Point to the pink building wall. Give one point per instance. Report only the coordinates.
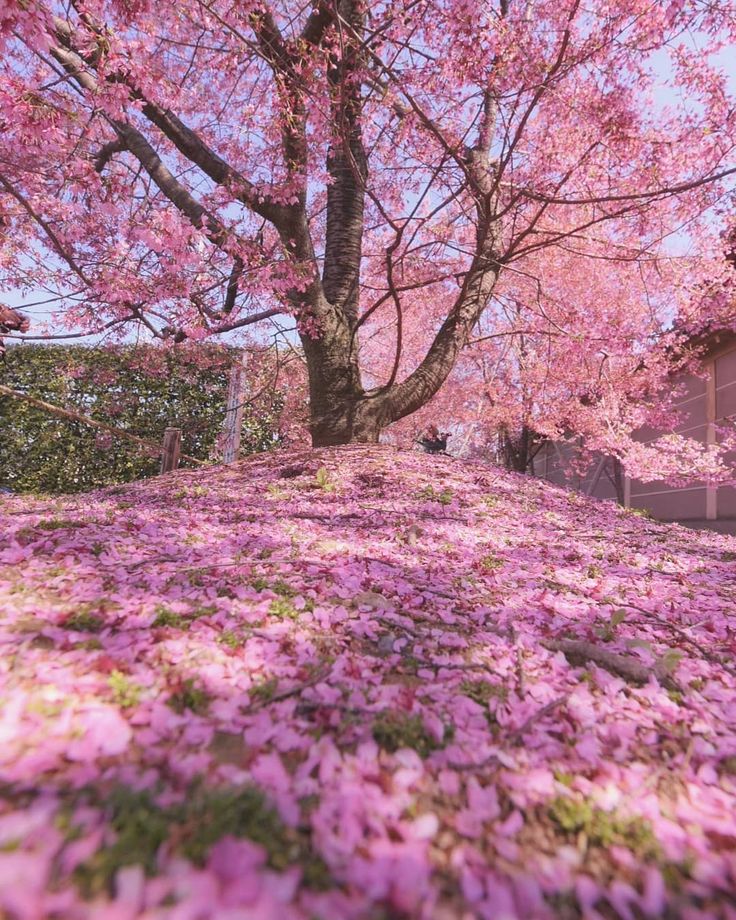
(707, 402)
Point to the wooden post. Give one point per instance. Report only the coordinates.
(234, 412)
(171, 450)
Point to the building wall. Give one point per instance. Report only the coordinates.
(689, 503)
(707, 402)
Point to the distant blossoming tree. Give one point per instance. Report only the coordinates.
(398, 177)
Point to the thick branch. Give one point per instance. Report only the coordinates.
(187, 141)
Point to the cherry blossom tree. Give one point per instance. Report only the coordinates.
(385, 174)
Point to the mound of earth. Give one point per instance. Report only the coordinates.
(358, 683)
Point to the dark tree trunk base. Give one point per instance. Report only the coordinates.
(358, 423)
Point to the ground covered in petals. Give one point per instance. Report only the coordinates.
(356, 683)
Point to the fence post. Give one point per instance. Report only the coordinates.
(171, 450)
(234, 412)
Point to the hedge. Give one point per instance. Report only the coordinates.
(141, 389)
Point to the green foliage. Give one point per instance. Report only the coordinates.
(608, 633)
(567, 779)
(140, 389)
(231, 639)
(668, 662)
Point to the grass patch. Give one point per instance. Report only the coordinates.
(84, 621)
(191, 829)
(490, 563)
(429, 494)
(603, 828)
(231, 639)
(323, 480)
(190, 696)
(283, 609)
(124, 691)
(482, 692)
(264, 692)
(166, 617)
(394, 731)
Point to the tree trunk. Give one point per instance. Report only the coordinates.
(346, 422)
(339, 408)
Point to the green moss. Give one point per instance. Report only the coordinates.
(125, 692)
(393, 731)
(31, 531)
(167, 617)
(265, 691)
(84, 621)
(428, 494)
(190, 696)
(490, 563)
(278, 586)
(482, 692)
(284, 610)
(728, 556)
(201, 610)
(566, 779)
(316, 874)
(89, 645)
(239, 813)
(604, 828)
(231, 639)
(140, 827)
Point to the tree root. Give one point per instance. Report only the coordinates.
(579, 653)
